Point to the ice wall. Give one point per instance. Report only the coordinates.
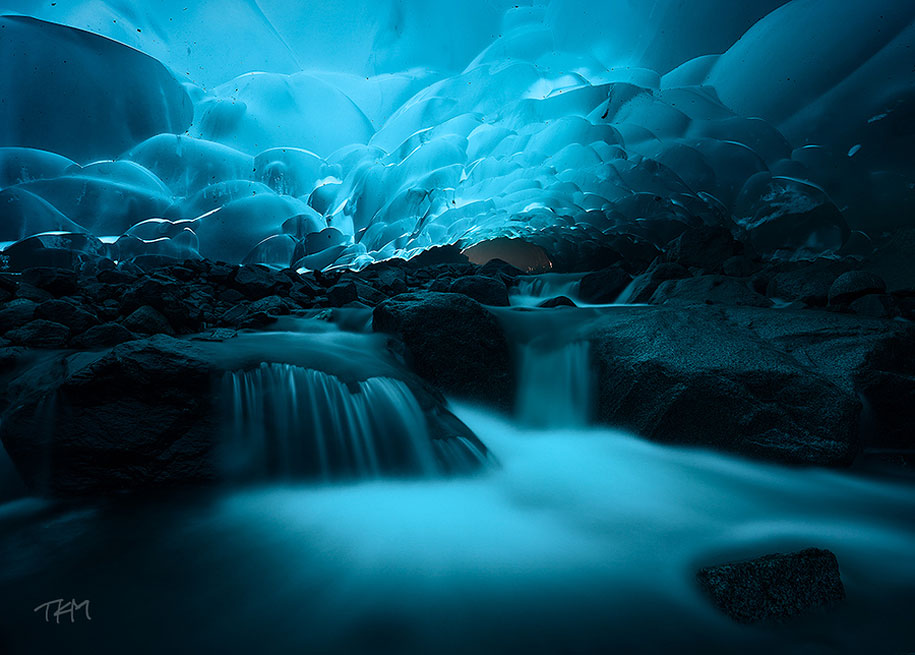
(338, 133)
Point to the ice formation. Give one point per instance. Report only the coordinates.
(329, 134)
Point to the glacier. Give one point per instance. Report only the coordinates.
(333, 135)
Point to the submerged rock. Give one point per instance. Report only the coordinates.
(453, 342)
(774, 586)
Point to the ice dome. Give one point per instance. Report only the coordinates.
(246, 130)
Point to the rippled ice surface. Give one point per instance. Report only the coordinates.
(582, 540)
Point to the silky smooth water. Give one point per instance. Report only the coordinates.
(582, 540)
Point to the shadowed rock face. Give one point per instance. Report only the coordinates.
(453, 342)
(137, 416)
(774, 586)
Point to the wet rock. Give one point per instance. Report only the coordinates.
(40, 334)
(603, 287)
(775, 587)
(738, 266)
(807, 283)
(874, 305)
(273, 305)
(485, 290)
(694, 375)
(135, 417)
(453, 342)
(643, 286)
(16, 314)
(705, 247)
(710, 290)
(66, 313)
(27, 291)
(146, 320)
(852, 285)
(102, 336)
(56, 281)
(558, 301)
(342, 294)
(254, 281)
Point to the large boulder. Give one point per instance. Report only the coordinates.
(603, 287)
(134, 417)
(774, 587)
(485, 290)
(706, 247)
(853, 285)
(453, 342)
(693, 376)
(710, 290)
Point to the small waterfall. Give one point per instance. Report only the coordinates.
(289, 421)
(555, 386)
(534, 289)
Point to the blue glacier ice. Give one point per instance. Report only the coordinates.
(405, 124)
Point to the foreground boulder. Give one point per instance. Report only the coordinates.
(453, 342)
(137, 416)
(774, 586)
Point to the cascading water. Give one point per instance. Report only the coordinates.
(292, 422)
(534, 289)
(555, 385)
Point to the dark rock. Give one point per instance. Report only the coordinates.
(27, 291)
(273, 305)
(603, 287)
(692, 375)
(774, 586)
(56, 281)
(16, 314)
(710, 290)
(873, 359)
(254, 281)
(558, 301)
(501, 269)
(850, 286)
(102, 336)
(643, 286)
(342, 294)
(66, 313)
(807, 283)
(874, 305)
(40, 334)
(146, 320)
(115, 276)
(705, 247)
(485, 290)
(739, 266)
(232, 296)
(135, 417)
(234, 316)
(453, 342)
(893, 261)
(256, 320)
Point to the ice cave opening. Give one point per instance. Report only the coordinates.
(406, 326)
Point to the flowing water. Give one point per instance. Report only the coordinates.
(582, 539)
(290, 421)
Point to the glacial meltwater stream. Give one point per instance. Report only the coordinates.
(573, 539)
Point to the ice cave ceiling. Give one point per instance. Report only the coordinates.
(336, 133)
